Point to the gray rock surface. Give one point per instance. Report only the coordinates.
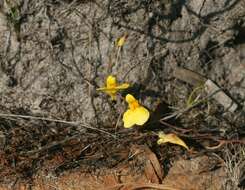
(64, 50)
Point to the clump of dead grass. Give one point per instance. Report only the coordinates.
(234, 161)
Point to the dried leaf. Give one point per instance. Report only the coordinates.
(154, 162)
(171, 138)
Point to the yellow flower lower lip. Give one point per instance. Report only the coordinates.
(136, 114)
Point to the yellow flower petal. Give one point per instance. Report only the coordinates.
(111, 81)
(171, 138)
(106, 89)
(130, 98)
(128, 119)
(122, 86)
(141, 115)
(103, 89)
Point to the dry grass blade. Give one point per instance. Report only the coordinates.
(180, 112)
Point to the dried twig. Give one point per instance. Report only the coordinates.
(74, 123)
(135, 186)
(49, 146)
(223, 142)
(175, 127)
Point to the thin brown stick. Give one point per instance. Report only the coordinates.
(223, 142)
(74, 123)
(49, 146)
(39, 118)
(135, 186)
(175, 127)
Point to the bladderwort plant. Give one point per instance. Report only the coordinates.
(136, 114)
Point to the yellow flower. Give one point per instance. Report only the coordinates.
(171, 138)
(121, 41)
(136, 114)
(112, 87)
